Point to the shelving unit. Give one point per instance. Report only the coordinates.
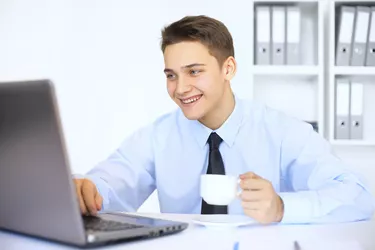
(288, 70)
(352, 143)
(297, 90)
(363, 74)
(352, 71)
(307, 90)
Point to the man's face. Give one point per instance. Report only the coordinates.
(195, 81)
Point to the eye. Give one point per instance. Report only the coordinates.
(171, 76)
(194, 72)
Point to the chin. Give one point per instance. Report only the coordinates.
(192, 116)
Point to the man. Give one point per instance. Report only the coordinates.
(287, 171)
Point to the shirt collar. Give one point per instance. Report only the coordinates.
(228, 131)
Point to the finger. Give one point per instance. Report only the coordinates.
(98, 201)
(250, 195)
(252, 205)
(88, 193)
(253, 184)
(82, 206)
(257, 215)
(249, 175)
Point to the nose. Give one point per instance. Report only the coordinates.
(183, 87)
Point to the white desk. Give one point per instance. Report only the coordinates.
(197, 237)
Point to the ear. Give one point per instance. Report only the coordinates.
(229, 68)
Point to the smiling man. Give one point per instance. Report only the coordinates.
(288, 172)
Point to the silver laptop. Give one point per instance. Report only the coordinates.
(37, 193)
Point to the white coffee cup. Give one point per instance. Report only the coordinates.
(219, 189)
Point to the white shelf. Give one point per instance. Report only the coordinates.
(354, 2)
(352, 143)
(287, 70)
(285, 1)
(353, 70)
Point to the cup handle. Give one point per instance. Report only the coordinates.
(239, 190)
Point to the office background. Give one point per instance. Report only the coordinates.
(105, 60)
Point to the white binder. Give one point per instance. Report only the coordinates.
(356, 111)
(360, 36)
(263, 35)
(293, 31)
(344, 43)
(370, 57)
(342, 109)
(278, 35)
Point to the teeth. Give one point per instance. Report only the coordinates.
(190, 100)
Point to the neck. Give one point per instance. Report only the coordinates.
(220, 113)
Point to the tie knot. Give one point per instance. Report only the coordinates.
(214, 141)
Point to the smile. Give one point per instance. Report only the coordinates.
(191, 99)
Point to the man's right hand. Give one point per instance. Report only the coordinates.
(90, 201)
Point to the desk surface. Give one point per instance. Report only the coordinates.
(198, 237)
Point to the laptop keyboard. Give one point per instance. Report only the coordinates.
(98, 224)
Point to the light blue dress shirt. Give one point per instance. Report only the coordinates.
(170, 155)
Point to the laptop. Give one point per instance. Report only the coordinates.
(37, 193)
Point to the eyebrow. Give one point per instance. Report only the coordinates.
(185, 67)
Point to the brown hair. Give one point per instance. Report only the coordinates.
(206, 30)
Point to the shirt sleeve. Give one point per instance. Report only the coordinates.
(127, 177)
(320, 187)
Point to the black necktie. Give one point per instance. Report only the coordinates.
(215, 166)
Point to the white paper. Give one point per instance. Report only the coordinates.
(304, 245)
(226, 240)
(278, 24)
(372, 26)
(346, 28)
(357, 99)
(342, 98)
(294, 24)
(362, 27)
(263, 24)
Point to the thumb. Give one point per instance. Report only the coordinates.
(98, 200)
(249, 175)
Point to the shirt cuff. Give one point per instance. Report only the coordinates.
(298, 207)
(78, 176)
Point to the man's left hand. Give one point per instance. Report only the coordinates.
(259, 199)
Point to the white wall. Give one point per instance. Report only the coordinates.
(105, 60)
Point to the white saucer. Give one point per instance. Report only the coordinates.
(223, 220)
